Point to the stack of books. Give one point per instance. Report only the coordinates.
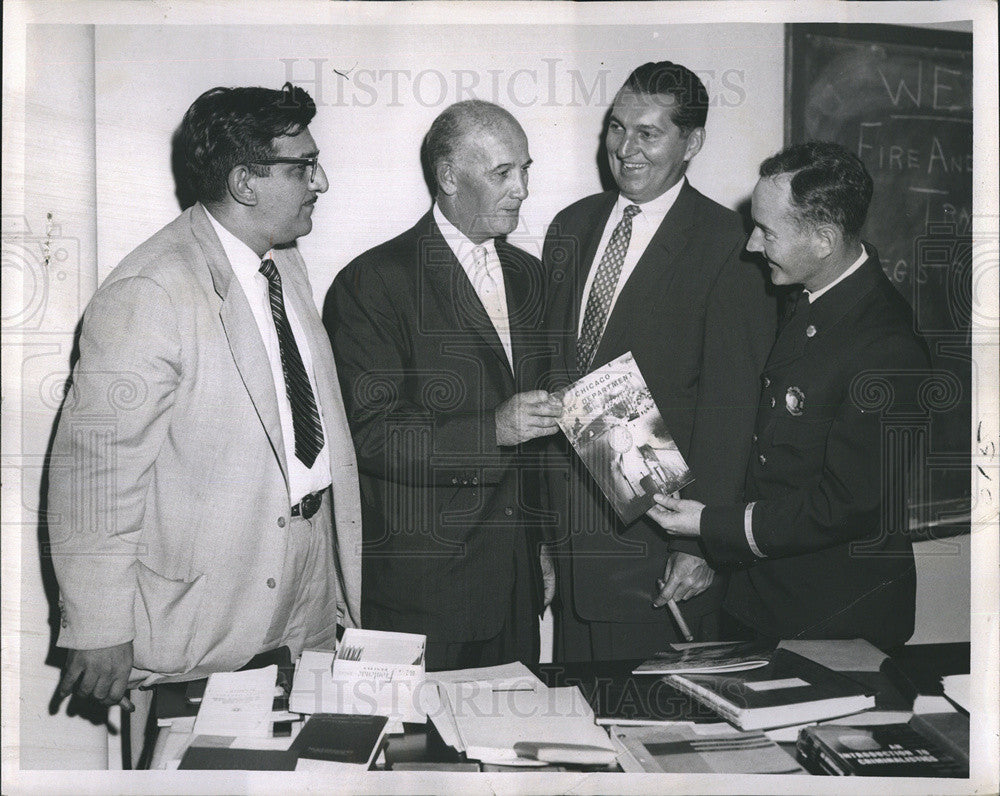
(889, 750)
(790, 689)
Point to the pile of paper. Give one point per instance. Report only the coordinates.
(506, 715)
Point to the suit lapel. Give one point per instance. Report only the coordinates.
(243, 335)
(651, 276)
(592, 227)
(524, 291)
(446, 279)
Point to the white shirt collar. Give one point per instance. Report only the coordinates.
(654, 210)
(241, 257)
(857, 264)
(460, 244)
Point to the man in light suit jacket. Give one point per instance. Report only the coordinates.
(653, 268)
(816, 542)
(203, 444)
(438, 338)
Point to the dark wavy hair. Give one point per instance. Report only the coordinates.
(690, 108)
(226, 127)
(829, 185)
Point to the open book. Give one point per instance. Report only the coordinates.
(612, 422)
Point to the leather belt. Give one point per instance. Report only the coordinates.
(309, 505)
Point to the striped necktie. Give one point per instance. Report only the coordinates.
(305, 416)
(603, 289)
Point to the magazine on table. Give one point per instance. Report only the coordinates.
(613, 423)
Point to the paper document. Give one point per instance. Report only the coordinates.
(437, 707)
(238, 703)
(495, 721)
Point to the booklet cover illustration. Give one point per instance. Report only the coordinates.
(610, 418)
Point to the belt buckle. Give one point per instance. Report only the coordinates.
(310, 504)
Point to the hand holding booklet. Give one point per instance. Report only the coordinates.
(613, 423)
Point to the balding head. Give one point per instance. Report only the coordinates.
(478, 156)
(458, 122)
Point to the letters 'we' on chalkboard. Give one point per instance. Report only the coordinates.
(901, 99)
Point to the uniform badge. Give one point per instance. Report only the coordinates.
(795, 401)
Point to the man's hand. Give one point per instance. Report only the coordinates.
(102, 674)
(679, 517)
(548, 575)
(685, 576)
(527, 415)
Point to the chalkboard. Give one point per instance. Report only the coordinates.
(901, 99)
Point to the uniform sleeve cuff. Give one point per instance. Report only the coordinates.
(724, 536)
(748, 530)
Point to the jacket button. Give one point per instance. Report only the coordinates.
(475, 481)
(271, 583)
(454, 481)
(762, 459)
(281, 522)
(772, 402)
(754, 438)
(508, 511)
(810, 331)
(767, 381)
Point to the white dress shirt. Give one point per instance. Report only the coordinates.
(644, 226)
(491, 291)
(246, 266)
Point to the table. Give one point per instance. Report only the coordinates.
(606, 685)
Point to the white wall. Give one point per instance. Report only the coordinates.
(558, 81)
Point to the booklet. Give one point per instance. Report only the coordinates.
(722, 656)
(612, 422)
(694, 749)
(238, 703)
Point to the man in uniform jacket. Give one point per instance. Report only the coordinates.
(204, 502)
(818, 550)
(698, 321)
(435, 333)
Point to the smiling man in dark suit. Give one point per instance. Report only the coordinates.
(653, 268)
(435, 334)
(817, 553)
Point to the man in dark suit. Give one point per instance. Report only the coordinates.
(435, 333)
(653, 268)
(817, 549)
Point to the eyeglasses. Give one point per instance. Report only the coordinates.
(312, 163)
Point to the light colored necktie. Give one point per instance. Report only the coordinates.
(603, 289)
(489, 292)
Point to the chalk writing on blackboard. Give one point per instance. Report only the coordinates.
(901, 99)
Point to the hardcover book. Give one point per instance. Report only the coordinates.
(614, 425)
(889, 750)
(788, 690)
(340, 738)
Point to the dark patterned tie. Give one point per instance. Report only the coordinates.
(305, 416)
(602, 289)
